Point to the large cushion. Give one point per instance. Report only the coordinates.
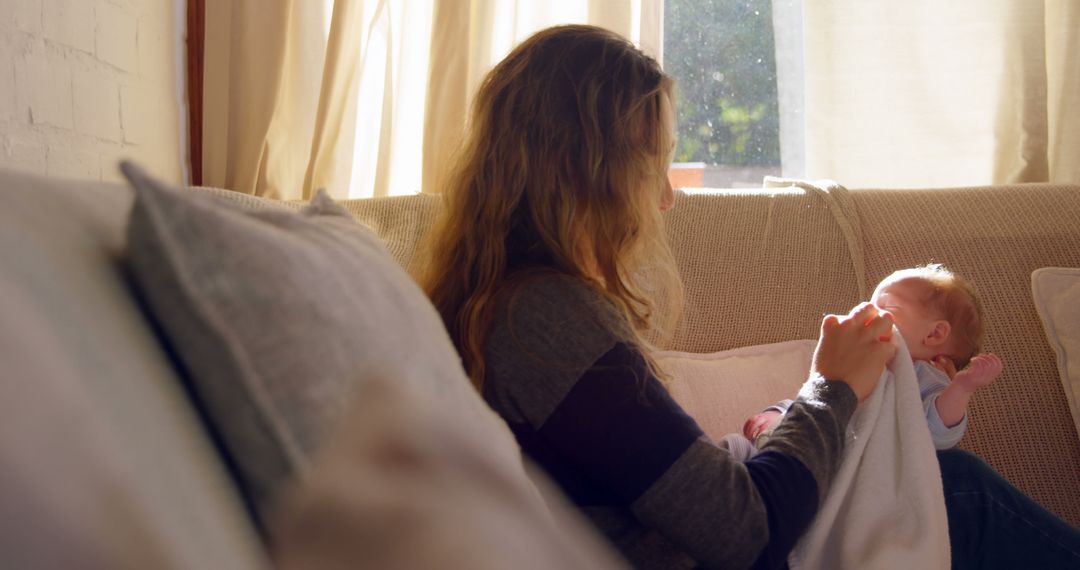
(720, 390)
(280, 316)
(103, 461)
(1056, 292)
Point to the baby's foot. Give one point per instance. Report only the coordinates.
(760, 423)
(738, 446)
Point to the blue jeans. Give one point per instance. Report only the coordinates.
(994, 525)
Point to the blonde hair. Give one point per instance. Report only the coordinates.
(561, 170)
(952, 298)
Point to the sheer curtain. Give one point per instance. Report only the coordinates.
(927, 93)
(259, 93)
(364, 97)
(471, 36)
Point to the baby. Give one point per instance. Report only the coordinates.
(940, 319)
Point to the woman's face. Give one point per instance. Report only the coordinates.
(667, 119)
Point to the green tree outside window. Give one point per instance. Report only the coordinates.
(722, 56)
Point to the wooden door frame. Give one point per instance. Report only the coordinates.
(196, 40)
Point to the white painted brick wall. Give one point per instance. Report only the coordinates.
(84, 83)
(43, 87)
(7, 83)
(116, 34)
(138, 114)
(153, 46)
(97, 106)
(26, 15)
(72, 163)
(69, 23)
(30, 156)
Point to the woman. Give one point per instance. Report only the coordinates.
(546, 268)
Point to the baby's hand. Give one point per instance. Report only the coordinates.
(758, 423)
(980, 372)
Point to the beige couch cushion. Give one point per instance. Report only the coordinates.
(720, 390)
(1056, 291)
(103, 461)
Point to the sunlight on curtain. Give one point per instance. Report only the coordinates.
(392, 85)
(470, 36)
(369, 97)
(262, 59)
(364, 97)
(1063, 88)
(927, 93)
(421, 60)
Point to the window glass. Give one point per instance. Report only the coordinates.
(723, 58)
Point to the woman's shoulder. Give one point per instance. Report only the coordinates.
(554, 317)
(547, 332)
(556, 299)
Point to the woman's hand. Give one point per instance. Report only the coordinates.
(855, 348)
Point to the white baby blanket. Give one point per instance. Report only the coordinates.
(885, 508)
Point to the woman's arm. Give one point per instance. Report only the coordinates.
(583, 404)
(632, 439)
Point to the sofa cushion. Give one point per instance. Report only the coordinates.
(1056, 292)
(720, 390)
(104, 463)
(278, 316)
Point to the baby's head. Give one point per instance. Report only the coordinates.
(936, 311)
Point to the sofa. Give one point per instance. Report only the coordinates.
(104, 450)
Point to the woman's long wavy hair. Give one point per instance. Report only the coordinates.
(562, 169)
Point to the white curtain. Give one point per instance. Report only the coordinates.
(364, 97)
(260, 93)
(470, 36)
(929, 93)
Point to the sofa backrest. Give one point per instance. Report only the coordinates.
(762, 266)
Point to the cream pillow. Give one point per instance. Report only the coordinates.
(1056, 292)
(720, 390)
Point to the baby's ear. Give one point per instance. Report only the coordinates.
(939, 333)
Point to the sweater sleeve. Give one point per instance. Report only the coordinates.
(932, 383)
(619, 426)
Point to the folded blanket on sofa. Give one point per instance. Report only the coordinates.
(885, 508)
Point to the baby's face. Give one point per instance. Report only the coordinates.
(911, 316)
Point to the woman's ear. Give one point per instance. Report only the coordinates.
(938, 334)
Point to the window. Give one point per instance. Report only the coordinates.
(734, 125)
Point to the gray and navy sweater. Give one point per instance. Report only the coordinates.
(579, 397)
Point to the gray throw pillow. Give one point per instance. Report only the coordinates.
(279, 316)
